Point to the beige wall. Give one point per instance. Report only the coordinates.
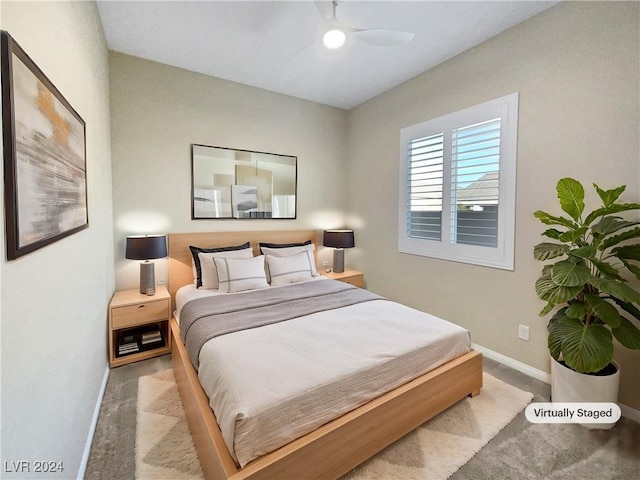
(576, 67)
(54, 300)
(158, 111)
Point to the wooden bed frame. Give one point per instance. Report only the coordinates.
(338, 446)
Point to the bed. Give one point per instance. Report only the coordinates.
(338, 445)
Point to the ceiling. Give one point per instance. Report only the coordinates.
(275, 45)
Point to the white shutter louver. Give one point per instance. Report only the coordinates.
(424, 193)
(475, 166)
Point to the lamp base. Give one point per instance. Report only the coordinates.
(338, 260)
(147, 278)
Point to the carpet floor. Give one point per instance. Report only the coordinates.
(164, 447)
(521, 450)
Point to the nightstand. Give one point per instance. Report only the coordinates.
(351, 277)
(139, 326)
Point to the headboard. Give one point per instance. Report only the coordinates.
(180, 270)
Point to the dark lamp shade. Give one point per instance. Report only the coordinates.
(146, 247)
(338, 239)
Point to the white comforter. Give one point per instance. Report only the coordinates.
(270, 385)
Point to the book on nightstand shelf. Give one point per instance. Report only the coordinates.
(140, 340)
(128, 347)
(149, 338)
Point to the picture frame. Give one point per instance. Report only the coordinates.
(44, 139)
(267, 181)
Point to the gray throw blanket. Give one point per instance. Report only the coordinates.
(205, 318)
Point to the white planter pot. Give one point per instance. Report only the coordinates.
(570, 386)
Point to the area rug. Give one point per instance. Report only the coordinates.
(164, 447)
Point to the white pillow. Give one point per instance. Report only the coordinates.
(208, 267)
(239, 274)
(285, 270)
(290, 251)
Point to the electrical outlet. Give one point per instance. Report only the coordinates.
(523, 332)
(325, 263)
(162, 281)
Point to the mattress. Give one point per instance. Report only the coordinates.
(270, 385)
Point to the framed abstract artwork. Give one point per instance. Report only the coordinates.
(44, 142)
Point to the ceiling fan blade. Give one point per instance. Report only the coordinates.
(383, 38)
(325, 9)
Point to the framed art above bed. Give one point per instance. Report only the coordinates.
(242, 184)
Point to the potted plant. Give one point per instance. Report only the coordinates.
(588, 286)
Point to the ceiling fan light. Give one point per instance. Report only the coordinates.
(334, 38)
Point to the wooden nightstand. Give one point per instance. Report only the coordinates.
(351, 277)
(139, 326)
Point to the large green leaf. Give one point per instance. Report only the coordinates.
(616, 239)
(616, 289)
(546, 250)
(552, 233)
(571, 196)
(627, 334)
(611, 224)
(615, 208)
(603, 310)
(570, 274)
(548, 219)
(577, 310)
(554, 342)
(606, 269)
(609, 196)
(628, 252)
(573, 236)
(551, 292)
(585, 348)
(588, 252)
(547, 308)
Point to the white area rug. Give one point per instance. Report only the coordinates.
(164, 447)
(165, 450)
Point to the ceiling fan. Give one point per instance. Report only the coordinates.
(336, 32)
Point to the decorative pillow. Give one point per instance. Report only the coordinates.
(208, 266)
(196, 261)
(285, 270)
(293, 249)
(283, 245)
(239, 274)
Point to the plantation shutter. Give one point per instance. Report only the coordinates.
(457, 185)
(424, 187)
(475, 175)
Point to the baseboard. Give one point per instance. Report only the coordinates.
(515, 364)
(627, 412)
(630, 413)
(92, 430)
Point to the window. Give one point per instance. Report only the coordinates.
(457, 185)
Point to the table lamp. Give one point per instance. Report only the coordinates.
(338, 239)
(146, 247)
